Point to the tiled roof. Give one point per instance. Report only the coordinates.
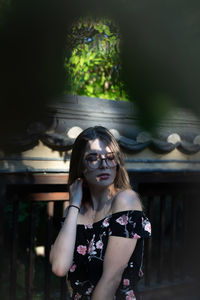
(72, 114)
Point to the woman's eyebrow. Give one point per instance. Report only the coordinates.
(92, 153)
(97, 153)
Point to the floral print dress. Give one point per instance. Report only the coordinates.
(90, 247)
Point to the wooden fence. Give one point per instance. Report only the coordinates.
(32, 221)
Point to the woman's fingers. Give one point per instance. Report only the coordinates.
(75, 191)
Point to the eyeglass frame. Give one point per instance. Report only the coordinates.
(101, 159)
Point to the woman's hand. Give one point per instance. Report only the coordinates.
(76, 192)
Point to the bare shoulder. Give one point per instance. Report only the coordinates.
(126, 200)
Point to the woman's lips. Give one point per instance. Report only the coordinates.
(104, 176)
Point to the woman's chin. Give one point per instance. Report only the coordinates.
(101, 183)
(104, 183)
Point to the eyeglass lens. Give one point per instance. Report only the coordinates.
(95, 160)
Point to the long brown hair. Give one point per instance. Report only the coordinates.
(121, 181)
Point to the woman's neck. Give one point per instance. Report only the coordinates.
(101, 197)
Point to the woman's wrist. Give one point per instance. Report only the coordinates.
(75, 206)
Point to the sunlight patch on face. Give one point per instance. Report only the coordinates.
(97, 146)
(93, 176)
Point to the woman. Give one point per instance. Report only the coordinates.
(100, 244)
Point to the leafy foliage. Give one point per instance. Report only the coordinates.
(93, 64)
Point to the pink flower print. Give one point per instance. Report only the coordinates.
(88, 226)
(91, 247)
(123, 220)
(105, 222)
(126, 282)
(148, 227)
(136, 236)
(99, 244)
(141, 274)
(73, 267)
(130, 298)
(89, 291)
(130, 295)
(77, 296)
(81, 249)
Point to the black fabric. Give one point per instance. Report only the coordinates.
(90, 247)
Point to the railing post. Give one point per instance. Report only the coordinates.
(172, 238)
(65, 205)
(50, 212)
(161, 238)
(184, 235)
(14, 244)
(63, 288)
(148, 248)
(31, 254)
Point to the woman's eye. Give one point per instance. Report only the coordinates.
(110, 156)
(92, 158)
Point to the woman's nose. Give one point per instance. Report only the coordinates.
(103, 163)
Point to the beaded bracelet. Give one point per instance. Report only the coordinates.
(71, 205)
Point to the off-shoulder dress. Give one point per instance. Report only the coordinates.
(90, 247)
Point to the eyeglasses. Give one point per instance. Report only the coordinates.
(94, 160)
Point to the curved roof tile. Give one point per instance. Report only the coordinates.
(188, 148)
(57, 141)
(132, 145)
(160, 146)
(75, 113)
(61, 142)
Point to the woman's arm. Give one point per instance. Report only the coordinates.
(61, 255)
(118, 251)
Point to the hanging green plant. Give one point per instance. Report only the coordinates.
(93, 62)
